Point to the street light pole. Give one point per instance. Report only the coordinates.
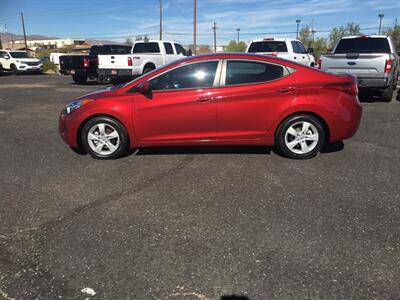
(380, 22)
(160, 19)
(297, 32)
(238, 35)
(194, 26)
(215, 36)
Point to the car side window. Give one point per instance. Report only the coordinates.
(168, 48)
(295, 47)
(180, 49)
(196, 75)
(246, 72)
(302, 49)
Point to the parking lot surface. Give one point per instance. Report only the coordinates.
(193, 222)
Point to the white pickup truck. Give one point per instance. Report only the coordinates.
(144, 57)
(372, 59)
(290, 49)
(17, 62)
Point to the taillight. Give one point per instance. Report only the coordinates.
(86, 62)
(319, 63)
(129, 61)
(388, 65)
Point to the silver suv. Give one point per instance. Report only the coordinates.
(372, 59)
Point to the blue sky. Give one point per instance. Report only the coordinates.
(117, 19)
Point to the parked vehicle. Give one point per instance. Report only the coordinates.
(144, 57)
(55, 58)
(17, 62)
(290, 49)
(217, 99)
(372, 59)
(84, 67)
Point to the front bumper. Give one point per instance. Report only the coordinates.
(67, 130)
(27, 68)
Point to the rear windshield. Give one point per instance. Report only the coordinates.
(363, 45)
(270, 46)
(146, 48)
(110, 49)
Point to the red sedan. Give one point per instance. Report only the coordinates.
(217, 99)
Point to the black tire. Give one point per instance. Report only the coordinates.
(79, 79)
(1, 69)
(102, 79)
(282, 137)
(14, 70)
(122, 132)
(387, 94)
(148, 68)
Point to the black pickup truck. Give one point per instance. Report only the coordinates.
(82, 67)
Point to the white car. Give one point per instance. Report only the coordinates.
(144, 57)
(16, 62)
(290, 49)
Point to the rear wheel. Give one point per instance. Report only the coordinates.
(300, 137)
(79, 79)
(104, 138)
(14, 70)
(387, 94)
(148, 68)
(103, 79)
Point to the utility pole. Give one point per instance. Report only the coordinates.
(23, 29)
(194, 26)
(313, 31)
(238, 38)
(160, 19)
(215, 36)
(297, 32)
(2, 28)
(380, 22)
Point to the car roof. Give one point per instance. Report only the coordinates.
(362, 35)
(155, 41)
(270, 39)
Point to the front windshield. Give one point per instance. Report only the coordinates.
(20, 55)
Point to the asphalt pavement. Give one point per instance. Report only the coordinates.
(193, 222)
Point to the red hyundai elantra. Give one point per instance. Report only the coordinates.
(217, 99)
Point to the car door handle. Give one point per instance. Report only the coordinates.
(287, 90)
(204, 99)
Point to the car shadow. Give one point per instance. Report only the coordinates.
(234, 297)
(332, 147)
(205, 150)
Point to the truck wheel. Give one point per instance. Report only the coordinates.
(148, 68)
(387, 94)
(79, 79)
(1, 69)
(14, 70)
(102, 79)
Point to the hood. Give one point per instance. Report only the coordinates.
(102, 93)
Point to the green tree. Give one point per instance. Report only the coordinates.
(338, 32)
(128, 41)
(305, 36)
(394, 33)
(233, 46)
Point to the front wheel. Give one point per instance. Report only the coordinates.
(104, 138)
(300, 137)
(14, 70)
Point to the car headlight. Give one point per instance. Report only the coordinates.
(70, 107)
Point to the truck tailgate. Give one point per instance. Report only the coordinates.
(362, 65)
(71, 62)
(115, 61)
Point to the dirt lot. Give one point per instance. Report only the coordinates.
(193, 223)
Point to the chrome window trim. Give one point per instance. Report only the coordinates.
(286, 72)
(216, 77)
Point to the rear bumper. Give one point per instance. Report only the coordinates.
(115, 72)
(373, 82)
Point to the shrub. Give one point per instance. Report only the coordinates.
(49, 66)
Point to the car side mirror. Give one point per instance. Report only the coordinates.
(143, 88)
(310, 50)
(6, 56)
